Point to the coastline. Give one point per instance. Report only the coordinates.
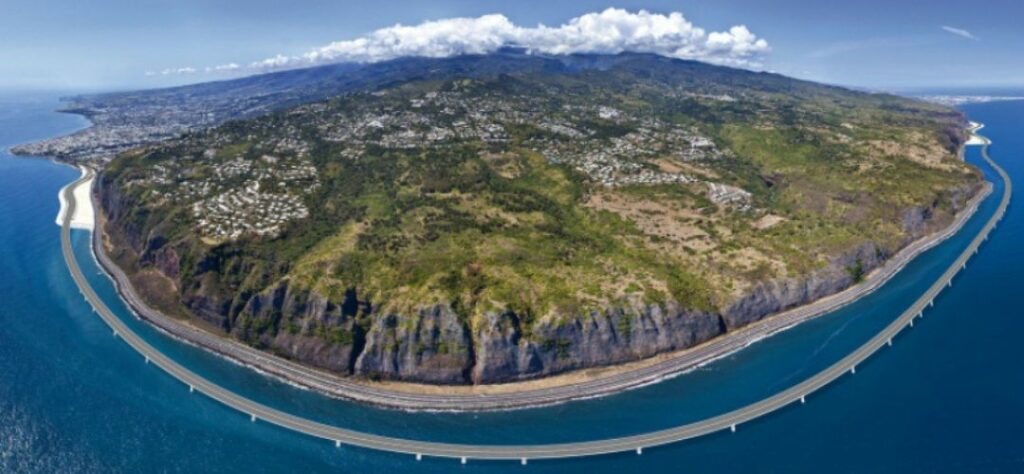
(975, 139)
(580, 384)
(522, 453)
(84, 214)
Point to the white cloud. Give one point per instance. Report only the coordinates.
(229, 67)
(278, 61)
(174, 71)
(959, 32)
(610, 31)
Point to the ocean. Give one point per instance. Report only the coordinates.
(948, 397)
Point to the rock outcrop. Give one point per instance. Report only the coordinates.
(781, 294)
(303, 326)
(432, 346)
(558, 344)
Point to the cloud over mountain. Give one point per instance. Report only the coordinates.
(610, 31)
(174, 71)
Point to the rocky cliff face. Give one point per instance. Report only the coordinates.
(844, 270)
(301, 325)
(432, 346)
(435, 345)
(781, 294)
(592, 340)
(920, 220)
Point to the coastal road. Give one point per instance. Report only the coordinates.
(465, 452)
(486, 398)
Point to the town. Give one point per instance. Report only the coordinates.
(436, 118)
(233, 196)
(236, 197)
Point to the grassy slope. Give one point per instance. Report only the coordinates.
(484, 226)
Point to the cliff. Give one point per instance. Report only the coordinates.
(505, 217)
(435, 345)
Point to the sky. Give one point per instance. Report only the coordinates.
(875, 44)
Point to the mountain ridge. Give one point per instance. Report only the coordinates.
(497, 218)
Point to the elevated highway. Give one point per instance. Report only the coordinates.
(522, 453)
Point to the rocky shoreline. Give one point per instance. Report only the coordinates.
(678, 343)
(355, 337)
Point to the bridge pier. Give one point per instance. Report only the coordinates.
(639, 451)
(191, 389)
(911, 322)
(252, 418)
(337, 443)
(399, 445)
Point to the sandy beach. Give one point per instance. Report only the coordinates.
(975, 139)
(84, 217)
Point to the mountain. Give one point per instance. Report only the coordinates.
(123, 120)
(493, 218)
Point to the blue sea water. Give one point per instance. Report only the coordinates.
(948, 397)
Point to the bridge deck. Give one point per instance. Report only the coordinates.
(521, 453)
